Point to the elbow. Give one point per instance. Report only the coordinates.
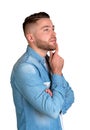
(54, 113)
(73, 98)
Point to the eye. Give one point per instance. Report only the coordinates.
(46, 29)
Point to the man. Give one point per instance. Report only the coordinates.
(40, 90)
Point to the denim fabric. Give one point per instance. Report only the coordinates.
(36, 109)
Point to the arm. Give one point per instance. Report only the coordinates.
(56, 63)
(30, 85)
(69, 97)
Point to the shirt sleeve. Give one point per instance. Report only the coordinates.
(30, 85)
(69, 96)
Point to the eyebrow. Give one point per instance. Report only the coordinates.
(47, 26)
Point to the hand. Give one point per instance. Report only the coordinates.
(48, 91)
(56, 62)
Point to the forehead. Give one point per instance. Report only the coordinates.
(44, 22)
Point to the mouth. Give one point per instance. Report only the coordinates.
(53, 40)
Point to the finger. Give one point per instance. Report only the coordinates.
(49, 92)
(57, 49)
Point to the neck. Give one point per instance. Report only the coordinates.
(41, 52)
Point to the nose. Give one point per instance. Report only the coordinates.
(54, 33)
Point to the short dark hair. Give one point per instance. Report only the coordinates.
(34, 18)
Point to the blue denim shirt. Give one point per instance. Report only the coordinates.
(36, 109)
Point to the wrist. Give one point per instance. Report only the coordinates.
(57, 72)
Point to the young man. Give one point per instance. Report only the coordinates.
(40, 90)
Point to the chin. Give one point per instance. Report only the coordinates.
(52, 49)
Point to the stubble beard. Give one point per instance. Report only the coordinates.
(46, 46)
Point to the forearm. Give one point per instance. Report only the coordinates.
(69, 97)
(69, 94)
(34, 92)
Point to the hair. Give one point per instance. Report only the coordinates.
(34, 18)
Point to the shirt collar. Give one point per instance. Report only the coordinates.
(35, 54)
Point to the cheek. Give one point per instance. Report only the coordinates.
(46, 38)
(43, 37)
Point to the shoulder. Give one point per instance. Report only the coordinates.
(27, 64)
(24, 67)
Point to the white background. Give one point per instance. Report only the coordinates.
(72, 21)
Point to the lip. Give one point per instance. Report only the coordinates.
(53, 40)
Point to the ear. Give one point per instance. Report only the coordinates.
(29, 37)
